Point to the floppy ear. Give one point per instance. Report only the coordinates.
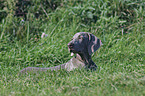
(93, 44)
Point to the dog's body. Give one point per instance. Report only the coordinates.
(83, 44)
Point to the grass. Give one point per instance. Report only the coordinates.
(120, 61)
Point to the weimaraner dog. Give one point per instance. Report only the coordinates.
(83, 44)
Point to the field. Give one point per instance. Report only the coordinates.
(120, 24)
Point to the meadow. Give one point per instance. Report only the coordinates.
(120, 24)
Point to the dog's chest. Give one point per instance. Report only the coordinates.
(73, 64)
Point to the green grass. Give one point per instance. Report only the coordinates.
(121, 60)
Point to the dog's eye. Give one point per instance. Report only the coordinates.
(80, 37)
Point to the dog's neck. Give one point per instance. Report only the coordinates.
(86, 58)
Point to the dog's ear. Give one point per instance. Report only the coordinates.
(93, 44)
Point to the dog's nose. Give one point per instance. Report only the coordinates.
(70, 45)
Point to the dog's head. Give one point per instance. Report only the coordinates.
(84, 42)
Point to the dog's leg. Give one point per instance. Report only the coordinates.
(37, 69)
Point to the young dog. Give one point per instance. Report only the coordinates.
(83, 44)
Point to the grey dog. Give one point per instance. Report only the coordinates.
(83, 44)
